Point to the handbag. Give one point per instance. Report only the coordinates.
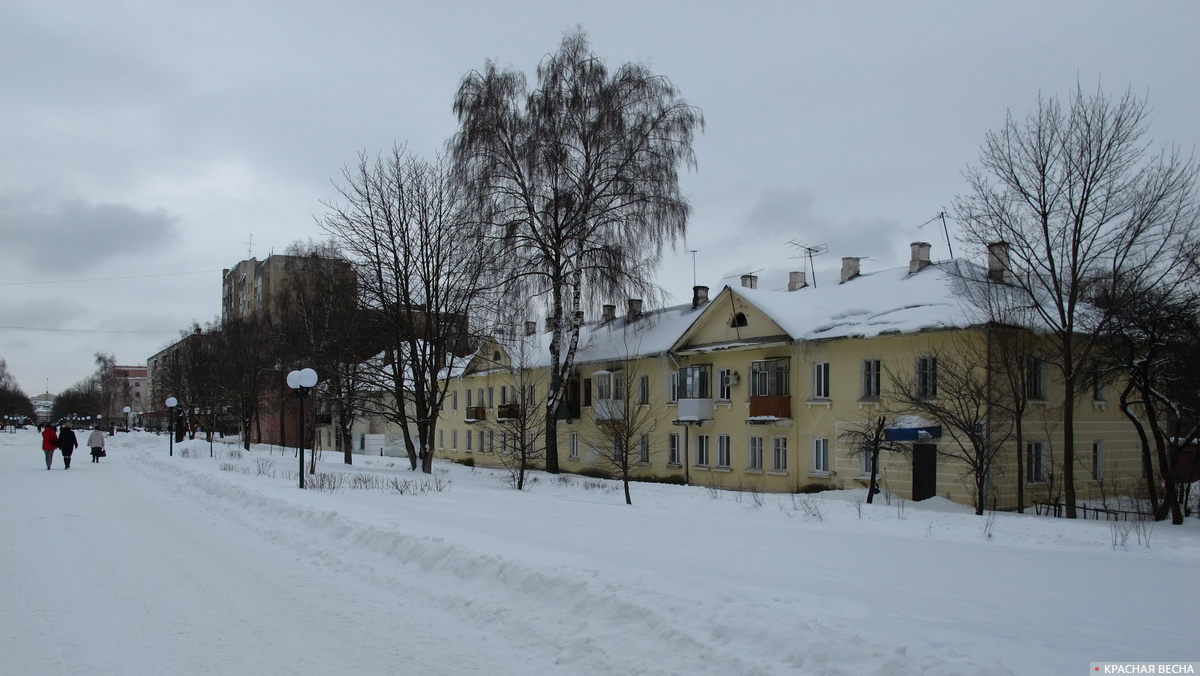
(103, 453)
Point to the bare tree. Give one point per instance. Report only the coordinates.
(423, 270)
(578, 179)
(869, 436)
(1079, 201)
(621, 437)
(964, 404)
(13, 400)
(249, 367)
(518, 420)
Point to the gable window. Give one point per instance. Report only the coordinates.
(821, 380)
(723, 450)
(820, 461)
(694, 382)
(754, 453)
(927, 377)
(737, 320)
(770, 377)
(870, 378)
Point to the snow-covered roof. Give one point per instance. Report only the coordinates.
(873, 303)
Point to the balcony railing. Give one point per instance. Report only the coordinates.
(568, 410)
(508, 412)
(695, 409)
(609, 410)
(771, 406)
(476, 413)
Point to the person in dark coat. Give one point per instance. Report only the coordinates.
(49, 443)
(67, 443)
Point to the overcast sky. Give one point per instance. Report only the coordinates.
(145, 146)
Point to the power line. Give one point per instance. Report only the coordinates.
(38, 328)
(107, 279)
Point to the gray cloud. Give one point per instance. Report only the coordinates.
(77, 234)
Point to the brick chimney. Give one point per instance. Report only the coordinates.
(750, 281)
(849, 268)
(609, 313)
(699, 296)
(796, 281)
(998, 262)
(920, 257)
(634, 309)
(530, 328)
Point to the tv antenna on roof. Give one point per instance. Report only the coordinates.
(809, 252)
(693, 252)
(250, 247)
(946, 231)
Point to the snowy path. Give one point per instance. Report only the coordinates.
(148, 564)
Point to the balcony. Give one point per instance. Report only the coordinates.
(609, 410)
(508, 412)
(568, 410)
(695, 410)
(771, 406)
(476, 413)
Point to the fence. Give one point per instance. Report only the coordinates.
(1056, 509)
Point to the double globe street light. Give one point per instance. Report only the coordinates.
(301, 381)
(171, 403)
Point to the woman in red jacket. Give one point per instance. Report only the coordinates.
(49, 443)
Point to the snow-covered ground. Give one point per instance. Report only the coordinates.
(149, 564)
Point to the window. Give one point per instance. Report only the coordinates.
(504, 443)
(491, 441)
(673, 449)
(503, 394)
(870, 378)
(469, 437)
(454, 440)
(469, 398)
(441, 439)
(531, 396)
(644, 390)
(479, 402)
(1097, 461)
(587, 391)
(737, 320)
(574, 445)
(927, 377)
(491, 399)
(754, 453)
(820, 463)
(821, 380)
(770, 377)
(454, 400)
(865, 461)
(779, 454)
(694, 382)
(1035, 379)
(723, 450)
(1033, 463)
(724, 384)
(644, 449)
(672, 395)
(1097, 387)
(702, 450)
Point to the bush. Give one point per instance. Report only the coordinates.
(814, 487)
(465, 462)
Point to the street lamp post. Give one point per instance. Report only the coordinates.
(127, 411)
(301, 381)
(171, 403)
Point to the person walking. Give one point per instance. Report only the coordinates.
(96, 442)
(67, 443)
(49, 443)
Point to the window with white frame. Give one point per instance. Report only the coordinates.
(644, 389)
(454, 440)
(468, 397)
(673, 392)
(673, 449)
(1097, 460)
(574, 453)
(724, 384)
(531, 396)
(1035, 379)
(491, 397)
(702, 450)
(865, 460)
(503, 394)
(504, 443)
(770, 377)
(927, 376)
(723, 451)
(644, 449)
(491, 441)
(454, 400)
(821, 380)
(779, 454)
(1034, 455)
(609, 385)
(870, 378)
(694, 382)
(479, 400)
(470, 436)
(441, 439)
(820, 460)
(754, 453)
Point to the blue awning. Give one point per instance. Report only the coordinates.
(913, 433)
